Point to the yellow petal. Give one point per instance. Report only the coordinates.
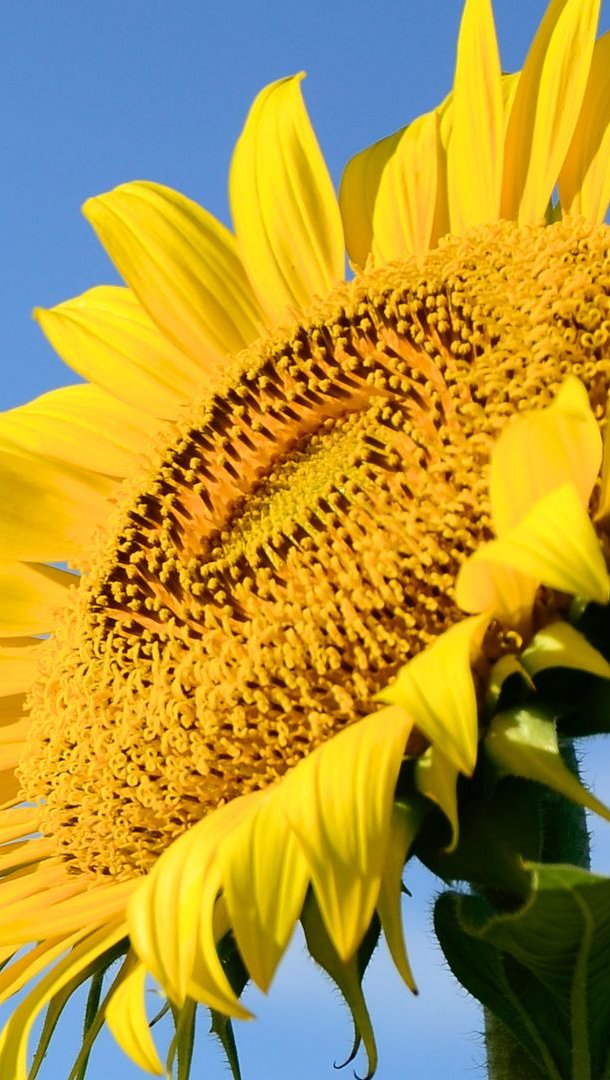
(358, 192)
(476, 148)
(554, 544)
(406, 201)
(482, 585)
(542, 450)
(436, 778)
(524, 744)
(436, 690)
(107, 336)
(561, 645)
(17, 823)
(404, 826)
(283, 204)
(49, 509)
(126, 1017)
(339, 802)
(82, 426)
(19, 659)
(584, 181)
(265, 879)
(26, 968)
(14, 1037)
(546, 107)
(30, 593)
(182, 265)
(65, 911)
(181, 951)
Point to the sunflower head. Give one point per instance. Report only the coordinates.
(324, 531)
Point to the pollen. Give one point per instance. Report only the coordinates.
(298, 535)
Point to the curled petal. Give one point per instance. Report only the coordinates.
(436, 778)
(265, 878)
(542, 450)
(14, 1037)
(404, 826)
(127, 1019)
(554, 545)
(339, 803)
(181, 951)
(437, 692)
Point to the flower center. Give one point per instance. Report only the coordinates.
(298, 538)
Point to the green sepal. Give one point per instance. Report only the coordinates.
(592, 620)
(221, 1025)
(589, 714)
(543, 970)
(498, 830)
(94, 971)
(95, 1022)
(347, 976)
(523, 742)
(180, 1051)
(508, 684)
(560, 645)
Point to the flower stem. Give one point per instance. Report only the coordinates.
(565, 840)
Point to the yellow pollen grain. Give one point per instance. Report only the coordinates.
(298, 537)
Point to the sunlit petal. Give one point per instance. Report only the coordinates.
(283, 204)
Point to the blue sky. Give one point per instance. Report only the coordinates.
(94, 94)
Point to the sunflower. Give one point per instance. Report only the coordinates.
(312, 527)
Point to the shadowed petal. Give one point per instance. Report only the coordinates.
(358, 192)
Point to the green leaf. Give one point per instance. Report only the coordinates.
(544, 969)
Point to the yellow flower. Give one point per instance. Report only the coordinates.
(268, 486)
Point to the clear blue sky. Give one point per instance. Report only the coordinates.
(94, 94)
